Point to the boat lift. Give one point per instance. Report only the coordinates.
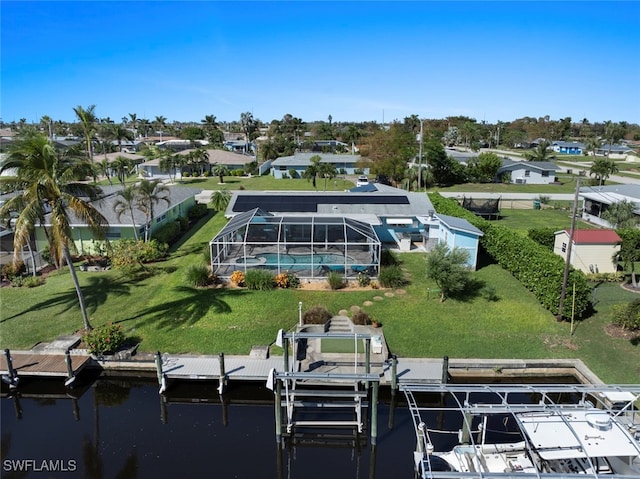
(618, 401)
(335, 392)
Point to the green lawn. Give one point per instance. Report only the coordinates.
(170, 316)
(524, 220)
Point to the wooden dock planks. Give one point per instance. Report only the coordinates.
(46, 365)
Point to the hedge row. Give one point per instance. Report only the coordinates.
(538, 269)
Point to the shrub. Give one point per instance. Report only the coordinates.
(32, 281)
(335, 280)
(388, 258)
(237, 277)
(197, 211)
(489, 293)
(293, 173)
(287, 280)
(130, 252)
(186, 174)
(616, 277)
(627, 316)
(13, 270)
(259, 280)
(316, 315)
(364, 280)
(197, 275)
(104, 339)
(206, 174)
(391, 277)
(543, 236)
(361, 318)
(168, 233)
(183, 222)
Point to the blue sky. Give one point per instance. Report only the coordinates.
(355, 61)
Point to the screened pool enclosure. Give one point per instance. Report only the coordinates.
(308, 246)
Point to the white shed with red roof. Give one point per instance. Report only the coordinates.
(592, 251)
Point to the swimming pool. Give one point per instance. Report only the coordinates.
(302, 261)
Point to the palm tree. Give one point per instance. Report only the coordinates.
(621, 214)
(221, 171)
(200, 158)
(540, 153)
(220, 200)
(148, 194)
(104, 168)
(122, 168)
(125, 203)
(119, 133)
(160, 124)
(134, 123)
(46, 122)
(592, 144)
(602, 168)
(612, 133)
(327, 171)
(313, 169)
(50, 184)
(167, 163)
(87, 119)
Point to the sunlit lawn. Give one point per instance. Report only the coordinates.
(524, 220)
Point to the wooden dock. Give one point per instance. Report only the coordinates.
(242, 368)
(47, 365)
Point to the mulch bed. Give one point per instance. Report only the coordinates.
(618, 332)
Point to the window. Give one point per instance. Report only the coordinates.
(527, 173)
(564, 247)
(161, 218)
(545, 174)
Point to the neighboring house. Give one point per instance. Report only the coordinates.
(568, 147)
(598, 198)
(457, 233)
(180, 145)
(401, 220)
(529, 172)
(182, 199)
(592, 251)
(239, 146)
(344, 164)
(233, 161)
(462, 157)
(328, 145)
(614, 151)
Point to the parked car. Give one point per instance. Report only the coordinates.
(362, 181)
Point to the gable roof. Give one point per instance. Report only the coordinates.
(593, 236)
(304, 159)
(610, 194)
(510, 165)
(460, 224)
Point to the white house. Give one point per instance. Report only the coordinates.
(529, 172)
(592, 251)
(598, 198)
(568, 147)
(284, 166)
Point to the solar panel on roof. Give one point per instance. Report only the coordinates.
(309, 204)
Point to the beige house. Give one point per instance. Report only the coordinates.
(592, 251)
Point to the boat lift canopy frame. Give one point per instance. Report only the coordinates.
(592, 398)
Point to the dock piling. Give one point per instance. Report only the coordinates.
(162, 377)
(12, 378)
(223, 374)
(374, 413)
(394, 374)
(278, 411)
(71, 377)
(445, 370)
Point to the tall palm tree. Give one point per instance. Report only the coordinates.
(621, 214)
(125, 203)
(540, 153)
(133, 120)
(87, 118)
(327, 171)
(104, 168)
(221, 171)
(148, 194)
(160, 123)
(602, 168)
(122, 168)
(50, 185)
(119, 133)
(313, 169)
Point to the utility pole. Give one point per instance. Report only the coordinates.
(420, 160)
(565, 278)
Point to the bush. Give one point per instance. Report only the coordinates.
(489, 293)
(364, 280)
(206, 174)
(361, 318)
(388, 258)
(13, 270)
(104, 339)
(287, 280)
(391, 277)
(616, 277)
(627, 316)
(335, 280)
(197, 275)
(543, 236)
(259, 280)
(237, 277)
(197, 211)
(168, 233)
(316, 315)
(131, 252)
(186, 174)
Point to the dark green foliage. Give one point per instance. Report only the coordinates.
(538, 269)
(448, 269)
(335, 280)
(184, 223)
(489, 293)
(197, 275)
(197, 211)
(168, 233)
(316, 315)
(391, 277)
(259, 280)
(543, 236)
(364, 279)
(361, 318)
(13, 270)
(627, 316)
(388, 258)
(130, 252)
(104, 339)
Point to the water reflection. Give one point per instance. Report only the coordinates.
(123, 428)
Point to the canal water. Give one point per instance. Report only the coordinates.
(122, 428)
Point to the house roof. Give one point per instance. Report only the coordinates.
(568, 144)
(459, 224)
(112, 156)
(610, 194)
(177, 195)
(510, 165)
(593, 236)
(304, 159)
(224, 157)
